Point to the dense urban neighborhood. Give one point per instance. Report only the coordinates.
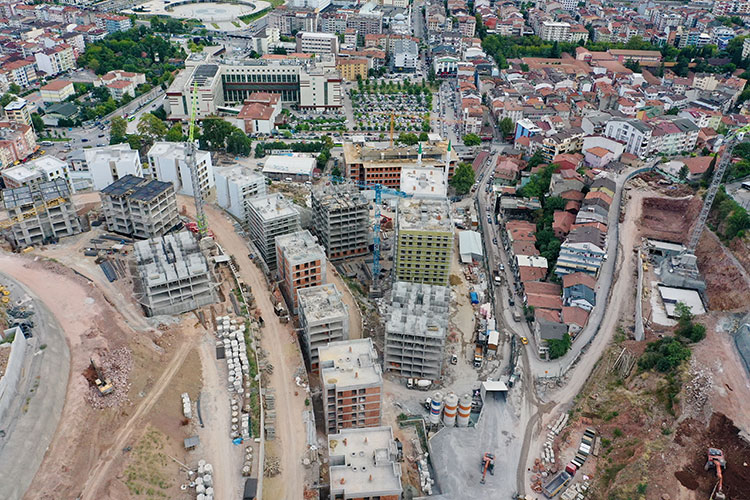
(374, 249)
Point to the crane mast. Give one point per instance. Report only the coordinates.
(192, 160)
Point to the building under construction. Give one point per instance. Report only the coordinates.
(138, 207)
(269, 216)
(424, 241)
(416, 329)
(352, 383)
(301, 264)
(323, 318)
(39, 214)
(174, 274)
(341, 219)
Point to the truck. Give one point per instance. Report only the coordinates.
(556, 484)
(516, 316)
(478, 356)
(418, 383)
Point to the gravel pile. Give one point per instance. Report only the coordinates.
(115, 366)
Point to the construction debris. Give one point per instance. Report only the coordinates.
(115, 366)
(272, 467)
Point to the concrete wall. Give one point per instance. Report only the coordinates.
(9, 381)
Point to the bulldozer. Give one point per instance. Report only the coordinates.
(103, 385)
(488, 464)
(717, 461)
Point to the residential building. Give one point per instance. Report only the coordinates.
(22, 72)
(424, 241)
(317, 43)
(404, 55)
(416, 329)
(270, 215)
(323, 318)
(301, 263)
(56, 60)
(57, 91)
(554, 31)
(106, 164)
(235, 186)
(167, 161)
(579, 289)
(173, 275)
(33, 173)
(352, 68)
(352, 382)
(40, 213)
(363, 463)
(113, 23)
(17, 111)
(424, 182)
(17, 142)
(341, 219)
(138, 207)
(583, 251)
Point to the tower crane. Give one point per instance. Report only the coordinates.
(379, 190)
(191, 150)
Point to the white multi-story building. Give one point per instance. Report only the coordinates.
(18, 111)
(317, 43)
(746, 48)
(43, 169)
(56, 60)
(167, 162)
(405, 55)
(554, 31)
(20, 72)
(656, 138)
(635, 134)
(107, 164)
(570, 5)
(318, 5)
(235, 186)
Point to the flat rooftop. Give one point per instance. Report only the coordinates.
(30, 170)
(350, 363)
(290, 165)
(115, 152)
(665, 245)
(301, 247)
(322, 302)
(169, 258)
(15, 104)
(363, 462)
(339, 196)
(424, 215)
(137, 188)
(45, 191)
(272, 206)
(671, 296)
(423, 182)
(240, 175)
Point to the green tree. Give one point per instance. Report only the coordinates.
(174, 134)
(536, 159)
(37, 122)
(539, 182)
(6, 99)
(215, 133)
(507, 126)
(463, 178)
(118, 129)
(151, 128)
(633, 65)
(684, 172)
(558, 347)
(408, 138)
(472, 140)
(239, 143)
(423, 137)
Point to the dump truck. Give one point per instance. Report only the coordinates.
(556, 484)
(478, 356)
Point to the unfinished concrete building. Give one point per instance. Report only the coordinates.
(341, 219)
(416, 329)
(138, 207)
(424, 241)
(323, 318)
(352, 383)
(270, 216)
(364, 464)
(174, 274)
(41, 213)
(301, 264)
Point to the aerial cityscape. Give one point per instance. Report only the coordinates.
(374, 249)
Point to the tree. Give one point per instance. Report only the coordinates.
(14, 89)
(558, 347)
(239, 143)
(507, 126)
(423, 137)
(685, 327)
(335, 171)
(633, 65)
(472, 140)
(151, 128)
(37, 122)
(6, 99)
(215, 133)
(175, 134)
(408, 138)
(555, 52)
(536, 159)
(118, 129)
(538, 184)
(684, 172)
(463, 178)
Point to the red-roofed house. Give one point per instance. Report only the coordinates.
(259, 112)
(562, 223)
(598, 157)
(579, 289)
(575, 318)
(568, 161)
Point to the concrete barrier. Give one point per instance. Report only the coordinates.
(10, 380)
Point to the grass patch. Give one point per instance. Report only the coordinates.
(144, 475)
(610, 473)
(355, 286)
(216, 26)
(454, 279)
(236, 24)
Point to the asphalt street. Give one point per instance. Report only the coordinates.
(32, 420)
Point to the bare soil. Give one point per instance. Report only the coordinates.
(726, 287)
(669, 219)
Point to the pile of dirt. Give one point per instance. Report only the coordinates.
(724, 435)
(668, 219)
(115, 367)
(726, 288)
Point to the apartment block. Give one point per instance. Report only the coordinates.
(363, 463)
(317, 43)
(56, 60)
(416, 329)
(341, 219)
(352, 382)
(174, 276)
(323, 318)
(235, 186)
(138, 207)
(17, 142)
(57, 91)
(554, 31)
(301, 264)
(18, 111)
(269, 216)
(40, 213)
(167, 162)
(43, 169)
(107, 164)
(424, 241)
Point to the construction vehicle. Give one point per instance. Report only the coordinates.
(103, 385)
(488, 464)
(716, 460)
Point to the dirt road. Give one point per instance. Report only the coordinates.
(279, 340)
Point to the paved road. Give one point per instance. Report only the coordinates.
(34, 416)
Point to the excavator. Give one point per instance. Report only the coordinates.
(716, 460)
(488, 464)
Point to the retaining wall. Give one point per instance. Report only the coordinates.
(12, 376)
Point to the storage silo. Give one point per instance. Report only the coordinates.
(449, 414)
(464, 411)
(435, 407)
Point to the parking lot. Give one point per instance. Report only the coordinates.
(373, 110)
